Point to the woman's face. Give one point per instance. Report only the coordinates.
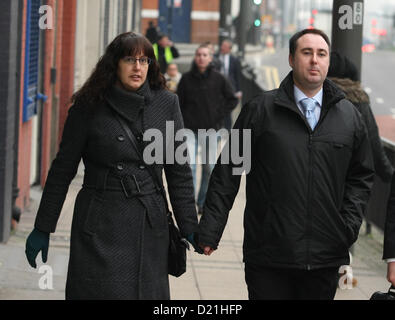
(132, 71)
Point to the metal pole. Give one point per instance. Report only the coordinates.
(225, 20)
(242, 26)
(347, 26)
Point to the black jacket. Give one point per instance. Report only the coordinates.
(119, 236)
(389, 231)
(360, 100)
(234, 72)
(205, 98)
(306, 192)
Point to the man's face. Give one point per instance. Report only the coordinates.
(164, 42)
(311, 62)
(225, 47)
(202, 58)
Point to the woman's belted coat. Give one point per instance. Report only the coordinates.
(119, 236)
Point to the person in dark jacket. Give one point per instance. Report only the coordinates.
(345, 75)
(309, 183)
(230, 67)
(389, 235)
(165, 51)
(152, 32)
(205, 97)
(119, 235)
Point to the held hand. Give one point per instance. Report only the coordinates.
(192, 240)
(37, 241)
(207, 250)
(391, 272)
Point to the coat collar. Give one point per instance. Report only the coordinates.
(127, 103)
(285, 94)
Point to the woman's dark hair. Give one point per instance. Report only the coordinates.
(104, 75)
(297, 35)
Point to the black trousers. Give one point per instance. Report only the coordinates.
(290, 284)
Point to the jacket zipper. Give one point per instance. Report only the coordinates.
(309, 205)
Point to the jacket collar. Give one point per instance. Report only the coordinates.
(285, 94)
(128, 103)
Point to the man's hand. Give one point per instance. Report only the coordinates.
(207, 250)
(390, 272)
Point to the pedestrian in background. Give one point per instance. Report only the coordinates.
(216, 63)
(165, 51)
(172, 77)
(344, 74)
(231, 69)
(205, 97)
(152, 32)
(119, 235)
(310, 181)
(389, 235)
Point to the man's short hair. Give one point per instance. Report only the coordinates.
(204, 45)
(297, 35)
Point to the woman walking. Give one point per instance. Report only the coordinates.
(119, 236)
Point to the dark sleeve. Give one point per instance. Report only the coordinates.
(63, 169)
(359, 181)
(225, 178)
(389, 229)
(174, 52)
(181, 92)
(237, 74)
(382, 165)
(180, 184)
(229, 94)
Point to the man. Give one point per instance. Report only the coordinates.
(310, 179)
(389, 235)
(152, 32)
(172, 76)
(230, 68)
(205, 96)
(165, 51)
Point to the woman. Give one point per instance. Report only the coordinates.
(119, 235)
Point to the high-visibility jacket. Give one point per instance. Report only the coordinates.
(168, 54)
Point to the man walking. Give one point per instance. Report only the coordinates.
(310, 180)
(231, 69)
(165, 52)
(205, 97)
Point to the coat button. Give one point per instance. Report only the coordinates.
(121, 138)
(120, 166)
(141, 166)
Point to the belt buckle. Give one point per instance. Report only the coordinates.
(125, 191)
(137, 185)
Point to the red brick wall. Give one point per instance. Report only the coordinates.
(67, 62)
(47, 109)
(25, 133)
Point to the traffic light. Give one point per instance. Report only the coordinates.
(312, 18)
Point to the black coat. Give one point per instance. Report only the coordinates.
(119, 237)
(306, 191)
(389, 231)
(234, 72)
(361, 101)
(205, 98)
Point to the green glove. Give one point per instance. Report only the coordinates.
(36, 241)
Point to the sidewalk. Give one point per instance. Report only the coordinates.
(217, 277)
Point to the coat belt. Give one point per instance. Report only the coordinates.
(128, 184)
